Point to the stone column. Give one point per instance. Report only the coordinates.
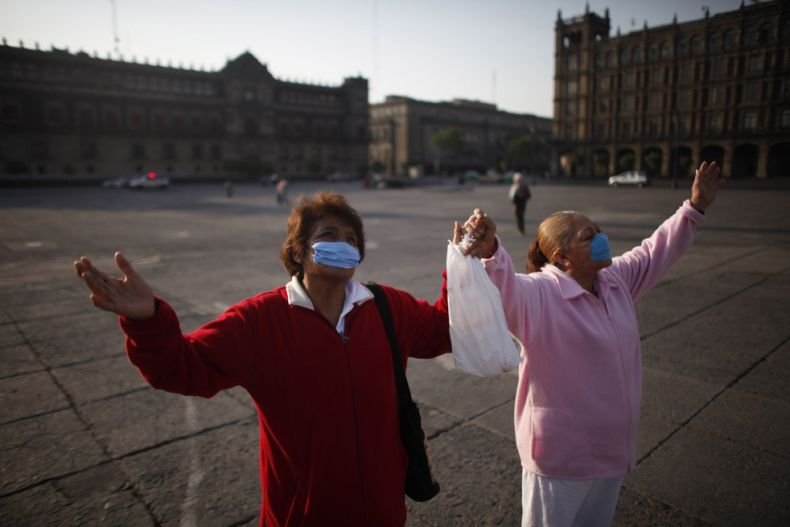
(762, 160)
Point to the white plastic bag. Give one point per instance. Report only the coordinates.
(481, 342)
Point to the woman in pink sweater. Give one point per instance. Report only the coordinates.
(577, 403)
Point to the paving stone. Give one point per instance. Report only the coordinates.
(479, 394)
(209, 479)
(80, 348)
(99, 379)
(739, 417)
(15, 360)
(635, 510)
(715, 480)
(714, 346)
(435, 421)
(673, 398)
(143, 419)
(97, 496)
(480, 477)
(88, 322)
(45, 447)
(10, 336)
(28, 395)
(770, 377)
(499, 420)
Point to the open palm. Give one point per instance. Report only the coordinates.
(129, 296)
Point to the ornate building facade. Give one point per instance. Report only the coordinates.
(402, 129)
(73, 116)
(664, 99)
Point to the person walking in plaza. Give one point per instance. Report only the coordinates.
(578, 396)
(281, 188)
(315, 359)
(519, 194)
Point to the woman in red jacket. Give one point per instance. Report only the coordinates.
(314, 357)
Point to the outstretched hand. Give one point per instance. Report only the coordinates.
(482, 230)
(707, 180)
(129, 296)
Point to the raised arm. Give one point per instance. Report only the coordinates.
(642, 267)
(215, 357)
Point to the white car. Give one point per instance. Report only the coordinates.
(630, 177)
(149, 180)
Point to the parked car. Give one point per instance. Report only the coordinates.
(150, 180)
(629, 177)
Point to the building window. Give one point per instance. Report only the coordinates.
(603, 84)
(112, 119)
(216, 152)
(570, 131)
(169, 151)
(629, 80)
(55, 115)
(601, 130)
(573, 62)
(656, 101)
(89, 151)
(610, 59)
(39, 150)
(629, 103)
(573, 88)
(654, 127)
(750, 36)
(136, 120)
(600, 61)
(719, 68)
(603, 106)
(665, 50)
(729, 40)
(652, 52)
(714, 43)
(138, 151)
(683, 124)
(717, 96)
(656, 77)
(686, 73)
(751, 92)
(683, 47)
(756, 63)
(10, 114)
(636, 55)
(684, 99)
(784, 119)
(750, 120)
(625, 57)
(696, 45)
(197, 151)
(715, 122)
(570, 108)
(626, 129)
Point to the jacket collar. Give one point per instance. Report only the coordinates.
(356, 293)
(570, 288)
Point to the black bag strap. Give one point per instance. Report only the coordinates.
(404, 394)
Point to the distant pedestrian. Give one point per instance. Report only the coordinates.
(519, 195)
(314, 357)
(282, 191)
(229, 189)
(578, 397)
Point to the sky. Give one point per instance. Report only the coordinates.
(497, 51)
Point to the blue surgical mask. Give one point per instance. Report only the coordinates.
(599, 248)
(336, 254)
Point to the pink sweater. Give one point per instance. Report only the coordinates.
(579, 390)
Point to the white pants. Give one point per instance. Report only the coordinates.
(549, 502)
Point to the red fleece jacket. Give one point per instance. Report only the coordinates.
(327, 406)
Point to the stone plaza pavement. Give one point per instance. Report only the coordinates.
(87, 442)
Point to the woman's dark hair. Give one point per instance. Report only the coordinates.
(535, 258)
(301, 223)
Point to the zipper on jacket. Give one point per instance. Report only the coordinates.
(356, 428)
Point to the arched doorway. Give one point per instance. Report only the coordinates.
(601, 163)
(744, 161)
(652, 161)
(626, 160)
(712, 153)
(779, 160)
(681, 161)
(570, 163)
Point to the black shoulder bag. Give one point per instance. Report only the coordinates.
(421, 485)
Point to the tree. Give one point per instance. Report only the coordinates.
(448, 141)
(527, 151)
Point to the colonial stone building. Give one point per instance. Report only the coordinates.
(74, 116)
(664, 99)
(402, 129)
